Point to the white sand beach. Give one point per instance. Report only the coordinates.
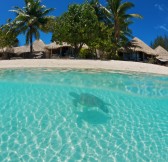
(85, 64)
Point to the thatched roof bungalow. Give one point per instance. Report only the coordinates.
(56, 45)
(24, 51)
(162, 55)
(56, 49)
(137, 50)
(21, 49)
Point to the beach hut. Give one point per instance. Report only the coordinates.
(137, 50)
(162, 57)
(24, 51)
(57, 49)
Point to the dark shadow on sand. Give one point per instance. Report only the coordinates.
(93, 117)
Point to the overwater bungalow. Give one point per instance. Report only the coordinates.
(162, 57)
(137, 50)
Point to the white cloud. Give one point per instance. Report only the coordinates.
(163, 28)
(160, 7)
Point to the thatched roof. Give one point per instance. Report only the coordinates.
(162, 54)
(137, 45)
(21, 49)
(38, 46)
(56, 45)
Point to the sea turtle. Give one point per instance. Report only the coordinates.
(89, 100)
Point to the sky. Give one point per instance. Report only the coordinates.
(153, 24)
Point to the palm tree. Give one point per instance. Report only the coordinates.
(115, 16)
(30, 19)
(100, 11)
(117, 13)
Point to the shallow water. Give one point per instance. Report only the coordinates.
(69, 115)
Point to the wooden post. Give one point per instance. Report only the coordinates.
(60, 51)
(51, 52)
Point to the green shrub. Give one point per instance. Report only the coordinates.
(86, 54)
(152, 60)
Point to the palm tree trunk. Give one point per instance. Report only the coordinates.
(31, 42)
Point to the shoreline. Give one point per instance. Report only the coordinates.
(85, 64)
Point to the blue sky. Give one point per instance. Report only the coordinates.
(154, 23)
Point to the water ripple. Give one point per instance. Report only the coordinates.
(53, 115)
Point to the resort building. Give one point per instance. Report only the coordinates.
(137, 50)
(24, 51)
(56, 50)
(162, 57)
(40, 50)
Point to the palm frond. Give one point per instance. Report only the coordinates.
(136, 16)
(124, 7)
(47, 11)
(30, 18)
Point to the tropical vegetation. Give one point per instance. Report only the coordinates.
(100, 27)
(120, 21)
(8, 37)
(103, 28)
(77, 26)
(160, 41)
(115, 16)
(30, 19)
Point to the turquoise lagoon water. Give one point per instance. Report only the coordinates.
(69, 115)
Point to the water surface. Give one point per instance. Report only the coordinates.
(69, 115)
